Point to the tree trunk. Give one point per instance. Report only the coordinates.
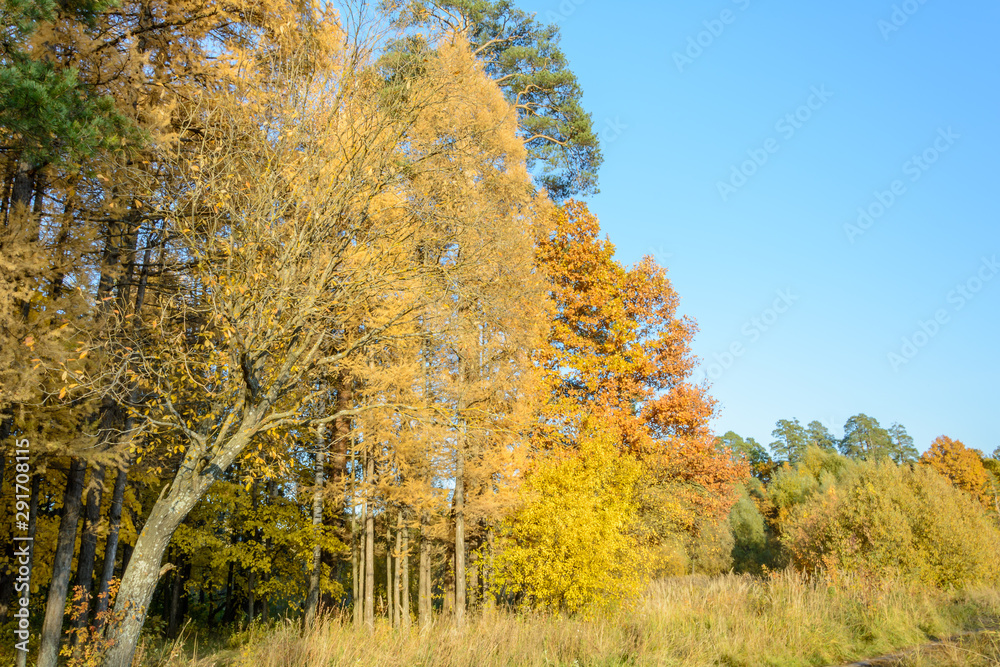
(488, 592)
(390, 593)
(173, 617)
(356, 589)
(48, 650)
(312, 599)
(460, 535)
(121, 479)
(473, 579)
(88, 545)
(370, 549)
(398, 553)
(230, 608)
(110, 548)
(143, 569)
(22, 656)
(424, 576)
(404, 554)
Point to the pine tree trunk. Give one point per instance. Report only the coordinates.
(88, 544)
(55, 607)
(110, 547)
(312, 600)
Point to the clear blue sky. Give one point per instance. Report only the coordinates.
(673, 129)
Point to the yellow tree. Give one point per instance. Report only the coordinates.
(302, 212)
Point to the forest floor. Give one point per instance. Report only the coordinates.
(729, 620)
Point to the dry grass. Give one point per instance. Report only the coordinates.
(728, 620)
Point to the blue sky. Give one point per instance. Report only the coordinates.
(807, 112)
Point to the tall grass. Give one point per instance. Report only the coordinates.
(786, 619)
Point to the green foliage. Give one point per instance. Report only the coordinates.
(865, 439)
(791, 440)
(903, 450)
(572, 546)
(711, 550)
(749, 449)
(819, 435)
(523, 56)
(890, 520)
(750, 540)
(53, 117)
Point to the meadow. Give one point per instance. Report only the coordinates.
(785, 619)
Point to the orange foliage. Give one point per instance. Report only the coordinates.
(617, 350)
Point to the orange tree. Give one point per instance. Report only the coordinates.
(618, 350)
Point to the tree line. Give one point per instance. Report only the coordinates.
(294, 298)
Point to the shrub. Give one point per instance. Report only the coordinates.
(573, 544)
(889, 520)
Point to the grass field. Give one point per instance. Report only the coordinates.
(729, 620)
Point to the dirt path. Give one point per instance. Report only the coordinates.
(893, 659)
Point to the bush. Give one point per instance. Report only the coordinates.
(889, 520)
(573, 544)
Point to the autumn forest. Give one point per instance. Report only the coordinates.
(312, 353)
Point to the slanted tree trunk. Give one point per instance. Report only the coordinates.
(312, 599)
(55, 607)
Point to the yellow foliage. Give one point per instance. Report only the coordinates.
(573, 544)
